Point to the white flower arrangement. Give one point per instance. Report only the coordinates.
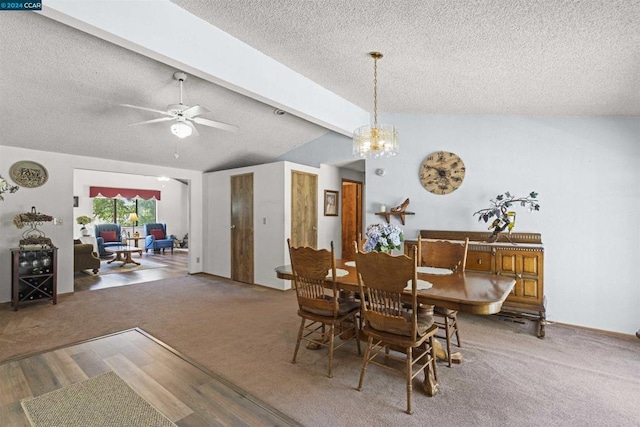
(383, 238)
(6, 187)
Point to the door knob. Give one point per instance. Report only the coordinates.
(314, 228)
(233, 226)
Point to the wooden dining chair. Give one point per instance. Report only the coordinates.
(452, 256)
(361, 241)
(318, 303)
(394, 334)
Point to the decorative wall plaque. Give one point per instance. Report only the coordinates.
(28, 174)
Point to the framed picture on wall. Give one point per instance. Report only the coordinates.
(75, 201)
(330, 203)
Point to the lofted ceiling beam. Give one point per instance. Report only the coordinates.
(169, 34)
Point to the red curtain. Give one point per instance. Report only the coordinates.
(127, 193)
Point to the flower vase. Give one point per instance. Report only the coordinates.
(84, 231)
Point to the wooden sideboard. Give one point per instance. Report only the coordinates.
(520, 255)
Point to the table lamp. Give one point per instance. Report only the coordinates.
(133, 217)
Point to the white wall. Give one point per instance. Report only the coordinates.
(268, 222)
(271, 204)
(55, 198)
(170, 209)
(585, 170)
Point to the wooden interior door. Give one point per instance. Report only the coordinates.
(304, 209)
(242, 228)
(351, 216)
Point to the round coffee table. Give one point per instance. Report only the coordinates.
(123, 253)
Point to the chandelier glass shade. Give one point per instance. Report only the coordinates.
(374, 141)
(181, 129)
(377, 140)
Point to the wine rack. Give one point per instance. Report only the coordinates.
(34, 275)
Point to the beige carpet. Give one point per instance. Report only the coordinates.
(105, 400)
(247, 334)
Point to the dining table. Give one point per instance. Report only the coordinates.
(465, 291)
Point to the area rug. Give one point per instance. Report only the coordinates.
(105, 400)
(117, 267)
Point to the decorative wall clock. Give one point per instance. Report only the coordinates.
(28, 174)
(442, 172)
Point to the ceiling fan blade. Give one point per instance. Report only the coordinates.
(148, 109)
(213, 124)
(161, 119)
(196, 110)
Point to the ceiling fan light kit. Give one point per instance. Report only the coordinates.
(377, 140)
(181, 129)
(184, 115)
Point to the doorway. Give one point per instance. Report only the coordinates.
(351, 217)
(173, 209)
(242, 228)
(304, 209)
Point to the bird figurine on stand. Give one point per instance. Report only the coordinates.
(402, 207)
(504, 218)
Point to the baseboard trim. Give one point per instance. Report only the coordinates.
(622, 335)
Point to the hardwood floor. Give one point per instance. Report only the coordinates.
(183, 391)
(172, 265)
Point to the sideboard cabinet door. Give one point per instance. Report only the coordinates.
(526, 267)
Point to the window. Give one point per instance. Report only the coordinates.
(117, 210)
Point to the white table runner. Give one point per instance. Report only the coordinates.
(434, 270)
(339, 273)
(420, 284)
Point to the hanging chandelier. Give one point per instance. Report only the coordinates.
(377, 140)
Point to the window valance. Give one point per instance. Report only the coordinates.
(127, 193)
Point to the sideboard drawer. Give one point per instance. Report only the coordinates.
(478, 261)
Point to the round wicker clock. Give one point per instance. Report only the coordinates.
(442, 172)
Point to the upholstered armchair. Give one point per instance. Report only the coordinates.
(107, 235)
(84, 258)
(156, 237)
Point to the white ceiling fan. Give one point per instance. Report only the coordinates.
(183, 115)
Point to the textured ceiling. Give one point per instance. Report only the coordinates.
(62, 92)
(529, 57)
(61, 88)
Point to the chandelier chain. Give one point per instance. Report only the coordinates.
(375, 90)
(375, 140)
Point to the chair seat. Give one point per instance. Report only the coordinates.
(444, 311)
(400, 340)
(423, 325)
(344, 307)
